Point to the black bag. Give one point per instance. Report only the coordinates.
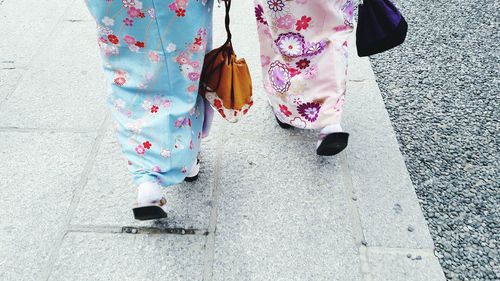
(380, 27)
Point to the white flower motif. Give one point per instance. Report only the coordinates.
(128, 3)
(133, 48)
(165, 153)
(298, 122)
(171, 47)
(107, 21)
(146, 104)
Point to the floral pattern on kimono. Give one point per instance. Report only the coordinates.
(304, 58)
(152, 54)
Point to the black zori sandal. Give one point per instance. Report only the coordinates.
(333, 144)
(283, 125)
(151, 211)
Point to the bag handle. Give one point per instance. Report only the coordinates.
(227, 4)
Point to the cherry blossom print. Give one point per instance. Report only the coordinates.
(265, 60)
(128, 3)
(160, 85)
(107, 21)
(154, 57)
(147, 145)
(285, 111)
(128, 22)
(165, 153)
(113, 39)
(120, 81)
(259, 14)
(285, 22)
(303, 23)
(140, 149)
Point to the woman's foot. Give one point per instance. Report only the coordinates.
(283, 125)
(150, 202)
(194, 172)
(332, 141)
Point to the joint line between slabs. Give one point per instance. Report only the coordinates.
(426, 252)
(46, 130)
(77, 191)
(355, 218)
(135, 230)
(212, 226)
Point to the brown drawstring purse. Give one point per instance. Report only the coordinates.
(225, 80)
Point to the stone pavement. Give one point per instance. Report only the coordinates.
(265, 207)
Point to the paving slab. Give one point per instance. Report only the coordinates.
(109, 194)
(61, 89)
(78, 12)
(104, 256)
(35, 195)
(388, 206)
(282, 215)
(398, 267)
(25, 26)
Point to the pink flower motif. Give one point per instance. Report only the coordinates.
(286, 22)
(129, 39)
(166, 103)
(120, 81)
(156, 169)
(154, 57)
(311, 72)
(140, 149)
(182, 58)
(265, 60)
(194, 48)
(191, 89)
(133, 12)
(195, 64)
(194, 76)
(284, 110)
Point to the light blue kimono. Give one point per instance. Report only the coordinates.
(153, 53)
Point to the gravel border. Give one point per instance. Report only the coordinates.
(441, 90)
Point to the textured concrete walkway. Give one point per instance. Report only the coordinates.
(265, 207)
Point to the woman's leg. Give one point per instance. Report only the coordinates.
(304, 59)
(153, 52)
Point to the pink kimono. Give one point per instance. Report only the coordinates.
(304, 58)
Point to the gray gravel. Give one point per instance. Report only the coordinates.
(441, 90)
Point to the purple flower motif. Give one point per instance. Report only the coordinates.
(348, 11)
(259, 14)
(291, 44)
(128, 22)
(280, 77)
(309, 110)
(314, 48)
(276, 5)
